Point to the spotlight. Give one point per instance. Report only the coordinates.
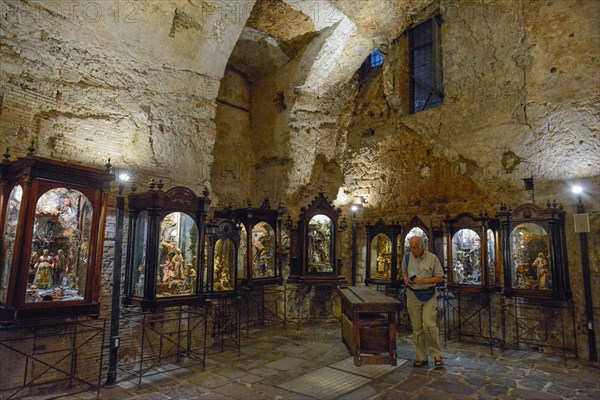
(577, 189)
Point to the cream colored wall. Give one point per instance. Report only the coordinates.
(521, 83)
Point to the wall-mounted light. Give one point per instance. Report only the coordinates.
(577, 189)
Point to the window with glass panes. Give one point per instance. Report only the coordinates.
(426, 84)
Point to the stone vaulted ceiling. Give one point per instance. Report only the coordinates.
(277, 30)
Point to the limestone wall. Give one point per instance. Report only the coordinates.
(517, 105)
(147, 85)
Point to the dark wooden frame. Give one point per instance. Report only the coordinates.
(552, 219)
(391, 231)
(221, 227)
(480, 225)
(158, 204)
(299, 273)
(250, 217)
(37, 175)
(434, 235)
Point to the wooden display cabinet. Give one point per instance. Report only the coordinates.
(315, 245)
(433, 241)
(534, 252)
(52, 224)
(164, 247)
(260, 258)
(222, 245)
(472, 252)
(382, 253)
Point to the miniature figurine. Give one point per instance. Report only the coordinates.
(43, 276)
(538, 266)
(60, 263)
(32, 266)
(459, 271)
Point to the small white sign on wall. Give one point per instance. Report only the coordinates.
(582, 223)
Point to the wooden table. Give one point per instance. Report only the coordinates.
(369, 324)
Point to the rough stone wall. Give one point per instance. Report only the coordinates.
(88, 81)
(233, 155)
(521, 82)
(135, 82)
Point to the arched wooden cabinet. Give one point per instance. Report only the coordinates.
(164, 247)
(433, 241)
(222, 247)
(534, 252)
(52, 224)
(315, 245)
(472, 251)
(260, 258)
(382, 253)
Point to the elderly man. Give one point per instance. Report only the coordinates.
(421, 271)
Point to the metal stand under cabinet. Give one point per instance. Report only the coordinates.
(169, 339)
(541, 326)
(311, 304)
(369, 325)
(65, 355)
(468, 318)
(224, 330)
(265, 306)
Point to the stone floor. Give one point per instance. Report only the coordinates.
(311, 362)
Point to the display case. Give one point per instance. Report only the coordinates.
(315, 244)
(534, 252)
(471, 255)
(164, 251)
(382, 253)
(52, 224)
(222, 246)
(260, 259)
(433, 241)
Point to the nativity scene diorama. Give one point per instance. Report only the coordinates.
(260, 257)
(52, 222)
(222, 247)
(471, 254)
(535, 264)
(315, 245)
(165, 247)
(382, 250)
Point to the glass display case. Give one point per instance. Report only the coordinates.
(535, 255)
(222, 242)
(382, 260)
(315, 245)
(433, 241)
(471, 253)
(164, 250)
(260, 260)
(52, 225)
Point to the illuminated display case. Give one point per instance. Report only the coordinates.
(471, 252)
(222, 247)
(433, 241)
(164, 251)
(315, 245)
(260, 257)
(534, 252)
(52, 224)
(382, 253)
